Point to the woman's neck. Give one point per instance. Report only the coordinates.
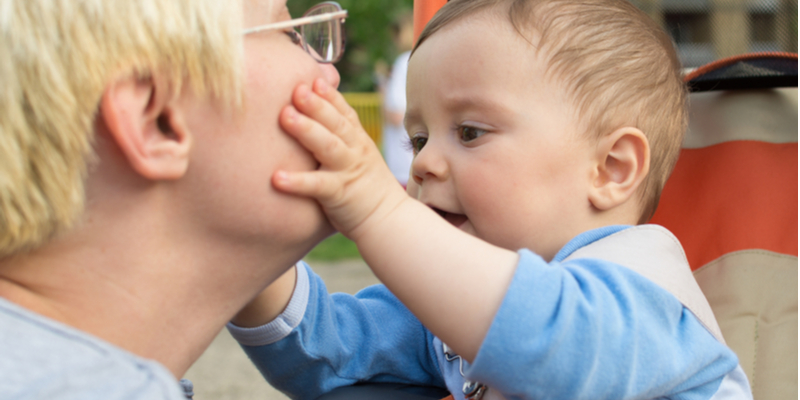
(153, 292)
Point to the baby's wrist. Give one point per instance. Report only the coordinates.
(269, 303)
(385, 217)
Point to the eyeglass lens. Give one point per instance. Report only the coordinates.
(324, 39)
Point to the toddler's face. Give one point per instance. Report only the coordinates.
(498, 148)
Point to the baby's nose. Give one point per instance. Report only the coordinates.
(429, 164)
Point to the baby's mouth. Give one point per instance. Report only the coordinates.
(454, 219)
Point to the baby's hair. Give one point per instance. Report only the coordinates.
(56, 58)
(618, 65)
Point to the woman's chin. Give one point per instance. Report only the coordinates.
(319, 230)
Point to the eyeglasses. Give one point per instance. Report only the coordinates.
(320, 31)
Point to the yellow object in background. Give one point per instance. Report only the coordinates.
(368, 107)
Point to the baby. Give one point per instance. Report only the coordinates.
(543, 132)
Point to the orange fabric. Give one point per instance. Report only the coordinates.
(423, 12)
(449, 398)
(732, 196)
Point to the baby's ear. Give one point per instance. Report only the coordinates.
(623, 161)
(141, 116)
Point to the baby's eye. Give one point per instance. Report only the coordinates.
(416, 143)
(470, 133)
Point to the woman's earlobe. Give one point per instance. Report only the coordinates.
(623, 161)
(143, 120)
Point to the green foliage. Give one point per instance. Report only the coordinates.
(334, 248)
(369, 38)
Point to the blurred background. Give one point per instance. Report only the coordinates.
(377, 37)
(703, 30)
(369, 32)
(709, 30)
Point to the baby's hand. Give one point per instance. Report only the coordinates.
(353, 184)
(410, 248)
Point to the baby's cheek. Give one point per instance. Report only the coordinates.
(492, 209)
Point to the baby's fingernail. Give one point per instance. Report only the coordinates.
(281, 176)
(303, 92)
(322, 86)
(291, 114)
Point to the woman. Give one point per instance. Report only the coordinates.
(138, 140)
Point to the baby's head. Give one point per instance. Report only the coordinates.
(535, 120)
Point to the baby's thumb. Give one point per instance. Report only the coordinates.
(316, 184)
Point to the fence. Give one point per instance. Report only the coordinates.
(368, 107)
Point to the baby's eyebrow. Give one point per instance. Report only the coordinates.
(497, 110)
(463, 103)
(410, 117)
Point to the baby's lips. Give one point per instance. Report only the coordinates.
(454, 219)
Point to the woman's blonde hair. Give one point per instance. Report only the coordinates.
(618, 65)
(56, 59)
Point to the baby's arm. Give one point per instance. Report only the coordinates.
(447, 278)
(323, 341)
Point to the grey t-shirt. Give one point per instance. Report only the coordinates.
(44, 359)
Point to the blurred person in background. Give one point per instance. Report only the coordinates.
(396, 146)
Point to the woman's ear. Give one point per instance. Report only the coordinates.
(623, 161)
(141, 116)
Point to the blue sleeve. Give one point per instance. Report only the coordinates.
(343, 339)
(590, 329)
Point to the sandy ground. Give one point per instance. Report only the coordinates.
(223, 372)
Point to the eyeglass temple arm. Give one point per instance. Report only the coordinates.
(297, 22)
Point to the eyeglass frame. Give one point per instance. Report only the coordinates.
(307, 20)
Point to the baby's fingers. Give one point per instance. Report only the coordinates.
(326, 147)
(329, 109)
(327, 92)
(316, 184)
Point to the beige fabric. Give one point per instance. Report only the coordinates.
(655, 253)
(754, 295)
(766, 115)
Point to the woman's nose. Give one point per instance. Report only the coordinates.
(429, 164)
(330, 74)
